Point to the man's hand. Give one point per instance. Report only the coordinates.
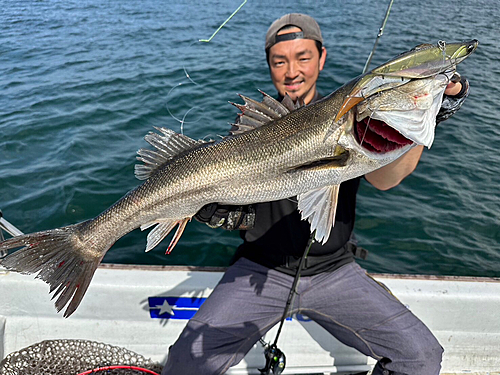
(455, 86)
(227, 217)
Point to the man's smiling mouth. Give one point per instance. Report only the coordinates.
(293, 85)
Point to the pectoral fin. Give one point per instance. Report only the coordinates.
(336, 161)
(319, 207)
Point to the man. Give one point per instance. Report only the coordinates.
(333, 290)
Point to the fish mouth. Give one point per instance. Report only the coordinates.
(376, 136)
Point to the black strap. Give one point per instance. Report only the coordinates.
(358, 251)
(289, 36)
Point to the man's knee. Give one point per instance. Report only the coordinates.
(420, 356)
(427, 357)
(425, 352)
(205, 350)
(187, 356)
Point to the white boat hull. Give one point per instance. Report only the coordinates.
(127, 306)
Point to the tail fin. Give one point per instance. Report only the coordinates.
(62, 258)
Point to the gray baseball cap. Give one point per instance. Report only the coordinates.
(308, 25)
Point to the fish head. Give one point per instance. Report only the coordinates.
(394, 106)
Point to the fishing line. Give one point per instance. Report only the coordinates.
(183, 120)
(368, 123)
(190, 81)
(380, 33)
(366, 131)
(221, 26)
(368, 61)
(187, 74)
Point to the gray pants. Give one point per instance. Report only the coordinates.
(249, 300)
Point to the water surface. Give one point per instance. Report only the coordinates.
(81, 83)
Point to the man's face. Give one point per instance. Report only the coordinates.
(295, 66)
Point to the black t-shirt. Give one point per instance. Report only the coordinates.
(280, 235)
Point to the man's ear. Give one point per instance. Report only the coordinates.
(322, 59)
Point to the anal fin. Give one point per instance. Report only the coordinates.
(319, 207)
(162, 229)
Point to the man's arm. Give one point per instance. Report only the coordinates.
(392, 174)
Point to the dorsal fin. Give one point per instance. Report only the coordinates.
(255, 114)
(246, 121)
(167, 145)
(289, 104)
(281, 108)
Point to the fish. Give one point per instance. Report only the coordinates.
(277, 150)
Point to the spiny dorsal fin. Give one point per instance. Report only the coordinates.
(281, 108)
(167, 145)
(255, 114)
(252, 115)
(249, 122)
(319, 207)
(289, 104)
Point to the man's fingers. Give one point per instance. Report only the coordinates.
(456, 78)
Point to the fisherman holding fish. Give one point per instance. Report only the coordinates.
(303, 163)
(334, 290)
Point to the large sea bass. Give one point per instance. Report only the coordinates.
(277, 152)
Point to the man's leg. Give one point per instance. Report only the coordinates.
(246, 303)
(365, 315)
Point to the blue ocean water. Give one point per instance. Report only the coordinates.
(81, 83)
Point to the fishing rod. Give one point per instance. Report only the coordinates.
(275, 358)
(380, 33)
